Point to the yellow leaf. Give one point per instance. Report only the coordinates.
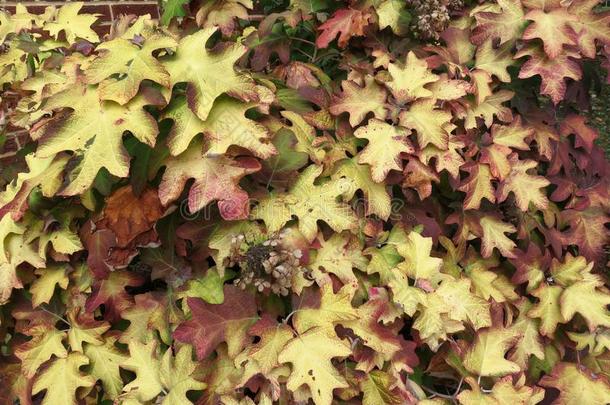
(333, 309)
(311, 354)
(44, 344)
(418, 263)
(43, 287)
(485, 357)
(590, 299)
(105, 360)
(62, 379)
(72, 24)
(577, 385)
(547, 308)
(386, 143)
(338, 255)
(175, 375)
(144, 363)
(431, 125)
(208, 74)
(409, 80)
(309, 202)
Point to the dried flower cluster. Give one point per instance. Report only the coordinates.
(268, 266)
(432, 17)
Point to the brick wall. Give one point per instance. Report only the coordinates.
(107, 9)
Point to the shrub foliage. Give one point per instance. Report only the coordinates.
(366, 201)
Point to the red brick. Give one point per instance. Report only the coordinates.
(137, 9)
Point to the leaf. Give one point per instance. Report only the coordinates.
(129, 215)
(530, 343)
(590, 27)
(506, 25)
(409, 80)
(552, 28)
(477, 186)
(358, 101)
(144, 363)
(394, 14)
(548, 308)
(172, 9)
(305, 135)
(552, 71)
(386, 143)
(262, 357)
(310, 203)
(310, 354)
(208, 75)
(493, 237)
(502, 393)
(43, 287)
(216, 179)
(338, 255)
(345, 23)
(132, 63)
(330, 310)
(526, 187)
(576, 385)
(432, 126)
(378, 201)
(462, 305)
(495, 61)
(45, 343)
(512, 136)
(589, 299)
(176, 376)
(486, 356)
(44, 173)
(94, 130)
(490, 107)
(212, 324)
(72, 24)
(226, 125)
(377, 389)
(111, 293)
(105, 361)
(418, 263)
(148, 316)
(62, 379)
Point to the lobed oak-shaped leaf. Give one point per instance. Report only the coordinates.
(486, 355)
(576, 385)
(208, 73)
(477, 186)
(212, 324)
(358, 101)
(62, 379)
(432, 125)
(552, 71)
(94, 129)
(552, 28)
(526, 187)
(506, 25)
(386, 143)
(132, 63)
(73, 24)
(345, 23)
(310, 355)
(216, 179)
(409, 80)
(309, 202)
(226, 125)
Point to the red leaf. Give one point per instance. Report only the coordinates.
(212, 324)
